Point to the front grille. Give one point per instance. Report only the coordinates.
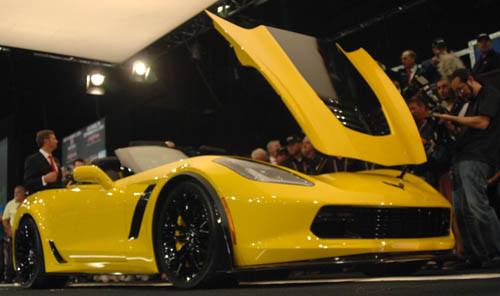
(381, 222)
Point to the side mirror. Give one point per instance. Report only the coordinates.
(92, 174)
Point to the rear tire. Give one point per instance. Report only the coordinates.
(188, 239)
(30, 265)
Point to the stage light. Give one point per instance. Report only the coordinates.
(140, 68)
(95, 83)
(141, 71)
(97, 79)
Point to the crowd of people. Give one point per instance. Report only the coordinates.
(297, 153)
(458, 118)
(458, 121)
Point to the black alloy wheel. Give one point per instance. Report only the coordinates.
(30, 268)
(188, 237)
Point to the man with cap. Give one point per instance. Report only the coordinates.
(429, 67)
(442, 64)
(295, 160)
(489, 59)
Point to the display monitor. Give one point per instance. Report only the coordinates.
(88, 143)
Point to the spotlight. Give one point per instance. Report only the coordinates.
(95, 82)
(97, 79)
(140, 71)
(140, 68)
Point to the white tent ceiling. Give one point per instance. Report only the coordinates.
(104, 30)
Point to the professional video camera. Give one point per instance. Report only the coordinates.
(421, 86)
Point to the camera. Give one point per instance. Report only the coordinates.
(420, 86)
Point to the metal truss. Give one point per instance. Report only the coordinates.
(197, 25)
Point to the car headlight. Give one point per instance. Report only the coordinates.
(262, 172)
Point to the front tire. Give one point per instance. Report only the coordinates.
(30, 266)
(188, 239)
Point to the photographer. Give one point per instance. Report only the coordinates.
(476, 155)
(434, 139)
(447, 97)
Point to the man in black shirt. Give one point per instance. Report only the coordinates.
(489, 59)
(476, 155)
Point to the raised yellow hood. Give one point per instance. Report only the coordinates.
(322, 123)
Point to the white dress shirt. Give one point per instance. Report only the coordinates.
(413, 70)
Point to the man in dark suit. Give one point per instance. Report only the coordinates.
(407, 75)
(42, 170)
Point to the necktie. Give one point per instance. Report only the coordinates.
(52, 164)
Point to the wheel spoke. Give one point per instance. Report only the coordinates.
(195, 262)
(26, 251)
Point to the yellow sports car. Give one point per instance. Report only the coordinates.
(203, 219)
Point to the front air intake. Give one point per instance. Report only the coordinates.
(381, 222)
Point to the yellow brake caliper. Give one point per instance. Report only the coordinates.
(180, 237)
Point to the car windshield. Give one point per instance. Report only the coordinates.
(141, 158)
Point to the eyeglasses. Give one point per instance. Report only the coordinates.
(460, 90)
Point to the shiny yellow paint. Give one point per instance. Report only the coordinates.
(272, 224)
(257, 48)
(92, 174)
(90, 225)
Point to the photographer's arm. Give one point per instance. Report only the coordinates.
(478, 121)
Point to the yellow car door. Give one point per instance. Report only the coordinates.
(91, 226)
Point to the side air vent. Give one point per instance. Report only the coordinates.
(135, 227)
(56, 253)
